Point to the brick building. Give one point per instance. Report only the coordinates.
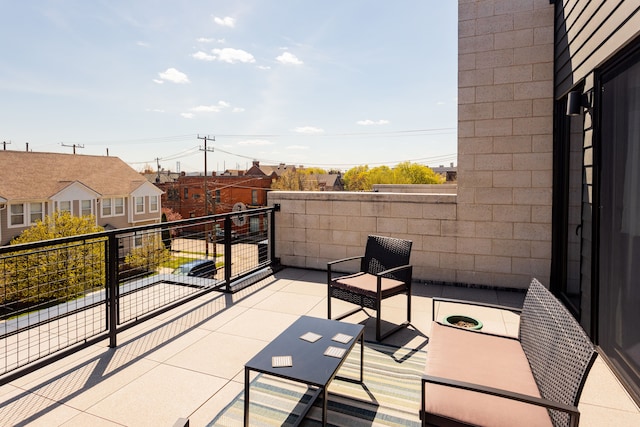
(185, 195)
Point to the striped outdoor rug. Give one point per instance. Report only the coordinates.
(390, 395)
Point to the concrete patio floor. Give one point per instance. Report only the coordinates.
(188, 363)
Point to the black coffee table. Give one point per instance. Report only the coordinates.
(310, 365)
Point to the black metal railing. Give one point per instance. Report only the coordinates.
(61, 295)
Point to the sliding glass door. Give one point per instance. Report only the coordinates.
(619, 232)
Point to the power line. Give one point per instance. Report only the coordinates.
(72, 145)
(186, 137)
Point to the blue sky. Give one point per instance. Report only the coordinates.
(332, 83)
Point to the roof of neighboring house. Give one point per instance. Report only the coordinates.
(258, 169)
(164, 177)
(29, 176)
(328, 179)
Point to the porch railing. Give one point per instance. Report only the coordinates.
(61, 295)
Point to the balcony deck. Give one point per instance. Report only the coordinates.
(188, 363)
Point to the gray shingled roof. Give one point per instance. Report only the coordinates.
(28, 175)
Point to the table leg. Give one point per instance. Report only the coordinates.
(246, 397)
(361, 357)
(325, 395)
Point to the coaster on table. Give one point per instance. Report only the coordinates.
(311, 337)
(343, 338)
(334, 351)
(281, 361)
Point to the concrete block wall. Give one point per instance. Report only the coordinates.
(497, 229)
(315, 227)
(505, 140)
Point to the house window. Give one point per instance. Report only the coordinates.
(86, 208)
(21, 215)
(153, 203)
(106, 207)
(36, 212)
(186, 192)
(17, 215)
(137, 240)
(217, 196)
(254, 197)
(139, 204)
(64, 206)
(118, 203)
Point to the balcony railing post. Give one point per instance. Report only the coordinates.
(112, 289)
(227, 251)
(272, 233)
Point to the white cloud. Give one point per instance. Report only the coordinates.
(210, 108)
(237, 110)
(205, 109)
(372, 122)
(232, 56)
(187, 115)
(298, 147)
(255, 142)
(210, 40)
(155, 110)
(264, 67)
(308, 129)
(289, 58)
(203, 56)
(142, 44)
(158, 81)
(174, 76)
(227, 21)
(227, 54)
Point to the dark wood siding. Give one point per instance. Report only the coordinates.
(587, 33)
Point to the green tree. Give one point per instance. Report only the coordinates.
(312, 171)
(151, 254)
(357, 179)
(59, 272)
(414, 173)
(383, 175)
(361, 178)
(295, 181)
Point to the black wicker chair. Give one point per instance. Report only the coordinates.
(384, 272)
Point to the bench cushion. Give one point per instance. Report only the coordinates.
(484, 359)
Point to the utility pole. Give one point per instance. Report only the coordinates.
(4, 145)
(158, 168)
(74, 146)
(206, 192)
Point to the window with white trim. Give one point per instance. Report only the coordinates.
(64, 206)
(118, 204)
(36, 212)
(106, 207)
(139, 200)
(16, 217)
(86, 207)
(24, 214)
(153, 203)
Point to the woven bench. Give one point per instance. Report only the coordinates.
(474, 378)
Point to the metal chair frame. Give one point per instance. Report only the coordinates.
(384, 258)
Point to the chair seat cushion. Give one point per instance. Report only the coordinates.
(484, 359)
(365, 283)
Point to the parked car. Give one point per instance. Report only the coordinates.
(197, 268)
